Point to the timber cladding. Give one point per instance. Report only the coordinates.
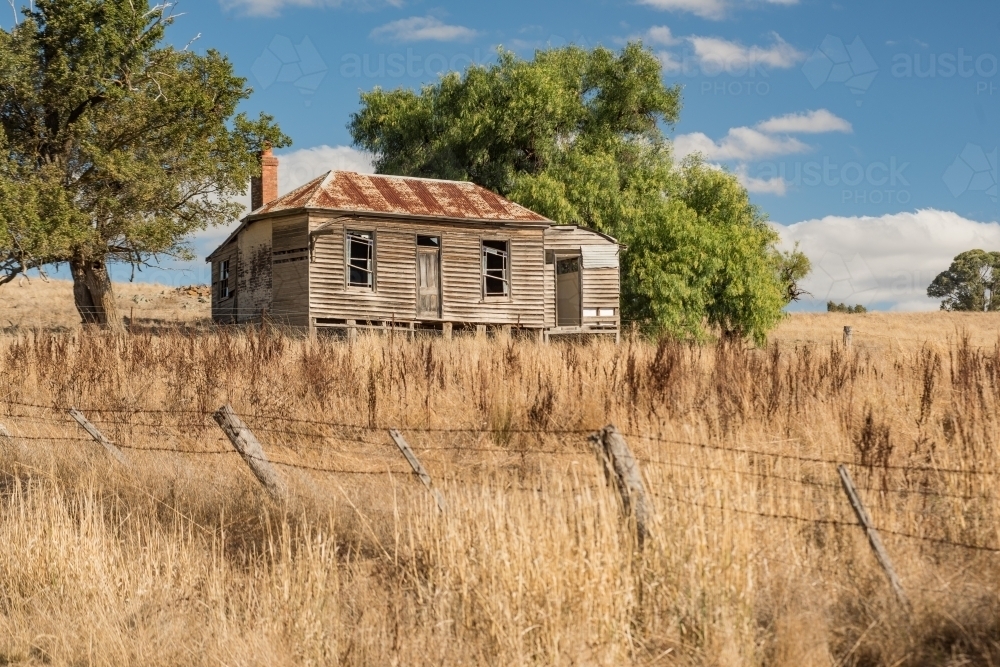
(394, 294)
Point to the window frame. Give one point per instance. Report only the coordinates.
(349, 234)
(484, 272)
(224, 291)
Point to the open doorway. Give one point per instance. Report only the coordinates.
(568, 303)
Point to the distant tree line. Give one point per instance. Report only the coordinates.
(832, 307)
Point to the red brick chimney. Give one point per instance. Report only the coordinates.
(264, 188)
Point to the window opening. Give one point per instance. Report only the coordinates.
(571, 265)
(496, 268)
(224, 280)
(429, 241)
(360, 259)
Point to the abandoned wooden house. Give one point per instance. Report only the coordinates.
(351, 251)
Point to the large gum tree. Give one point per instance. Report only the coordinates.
(115, 146)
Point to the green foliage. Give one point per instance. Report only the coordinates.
(970, 283)
(115, 146)
(856, 309)
(577, 136)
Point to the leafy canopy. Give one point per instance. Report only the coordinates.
(972, 282)
(113, 145)
(577, 136)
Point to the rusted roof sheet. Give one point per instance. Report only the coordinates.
(372, 193)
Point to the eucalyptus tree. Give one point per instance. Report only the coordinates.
(971, 283)
(114, 145)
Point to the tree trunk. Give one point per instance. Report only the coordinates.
(93, 293)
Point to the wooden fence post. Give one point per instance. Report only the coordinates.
(98, 436)
(873, 537)
(621, 465)
(250, 449)
(848, 334)
(414, 462)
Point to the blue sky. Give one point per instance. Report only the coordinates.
(867, 131)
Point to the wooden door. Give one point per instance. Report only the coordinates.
(428, 282)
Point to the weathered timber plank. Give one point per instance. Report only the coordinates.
(874, 539)
(98, 436)
(418, 468)
(248, 447)
(620, 465)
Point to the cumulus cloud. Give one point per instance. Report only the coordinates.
(742, 144)
(728, 56)
(422, 29)
(694, 55)
(769, 138)
(714, 10)
(706, 9)
(274, 7)
(775, 185)
(886, 261)
(810, 122)
(660, 35)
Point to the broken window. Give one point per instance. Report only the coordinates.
(429, 241)
(360, 259)
(571, 265)
(224, 279)
(496, 268)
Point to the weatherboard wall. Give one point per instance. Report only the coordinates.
(394, 295)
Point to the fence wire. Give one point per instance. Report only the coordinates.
(121, 419)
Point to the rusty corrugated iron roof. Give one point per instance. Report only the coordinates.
(376, 193)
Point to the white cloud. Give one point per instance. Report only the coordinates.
(743, 144)
(303, 165)
(660, 35)
(274, 7)
(721, 55)
(714, 10)
(888, 260)
(767, 139)
(422, 29)
(707, 9)
(775, 185)
(810, 122)
(711, 56)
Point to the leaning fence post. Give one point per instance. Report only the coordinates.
(620, 463)
(414, 462)
(247, 445)
(98, 436)
(873, 537)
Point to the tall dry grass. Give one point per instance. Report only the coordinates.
(181, 559)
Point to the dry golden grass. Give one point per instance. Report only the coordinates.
(181, 559)
(49, 305)
(889, 332)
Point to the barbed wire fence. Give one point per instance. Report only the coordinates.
(390, 451)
